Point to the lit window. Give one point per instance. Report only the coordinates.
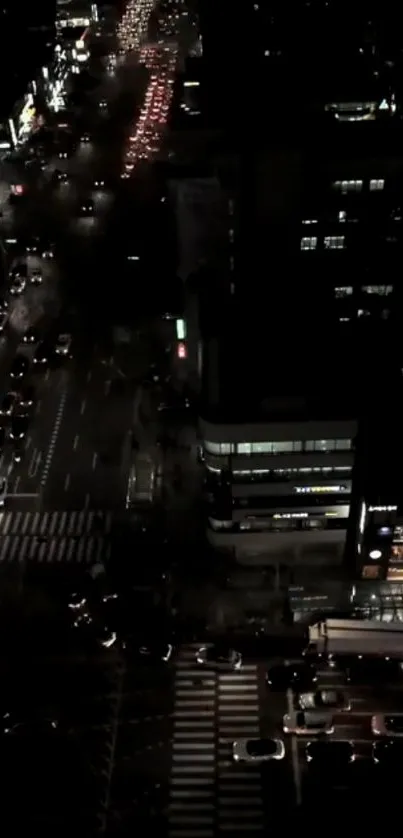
(319, 490)
(324, 445)
(344, 291)
(376, 185)
(342, 216)
(244, 448)
(363, 312)
(309, 243)
(310, 221)
(218, 448)
(334, 242)
(348, 186)
(380, 290)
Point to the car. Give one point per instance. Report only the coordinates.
(99, 183)
(258, 750)
(61, 177)
(3, 321)
(17, 285)
(8, 404)
(387, 724)
(87, 207)
(103, 104)
(36, 277)
(63, 344)
(30, 337)
(41, 354)
(388, 753)
(219, 656)
(3, 490)
(363, 670)
(322, 699)
(330, 756)
(297, 675)
(27, 397)
(85, 137)
(149, 651)
(19, 367)
(19, 427)
(62, 154)
(32, 245)
(48, 252)
(305, 723)
(3, 434)
(4, 306)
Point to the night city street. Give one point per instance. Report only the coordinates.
(201, 548)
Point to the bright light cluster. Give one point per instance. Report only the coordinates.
(133, 27)
(145, 141)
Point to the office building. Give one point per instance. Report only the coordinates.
(26, 42)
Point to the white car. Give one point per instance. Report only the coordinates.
(63, 344)
(387, 724)
(99, 183)
(3, 321)
(258, 750)
(307, 723)
(3, 490)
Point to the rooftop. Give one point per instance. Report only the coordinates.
(251, 369)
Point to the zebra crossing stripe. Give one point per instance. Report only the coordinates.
(55, 523)
(55, 537)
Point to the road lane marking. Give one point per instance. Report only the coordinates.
(53, 438)
(75, 443)
(94, 461)
(34, 463)
(83, 403)
(87, 501)
(89, 375)
(67, 482)
(294, 753)
(17, 483)
(28, 442)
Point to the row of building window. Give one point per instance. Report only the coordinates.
(289, 447)
(329, 242)
(345, 186)
(267, 525)
(277, 475)
(375, 290)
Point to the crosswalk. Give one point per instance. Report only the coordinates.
(55, 537)
(55, 524)
(209, 794)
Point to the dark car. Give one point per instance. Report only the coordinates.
(328, 757)
(27, 397)
(19, 427)
(148, 651)
(8, 404)
(297, 676)
(87, 208)
(219, 656)
(41, 354)
(30, 337)
(2, 437)
(371, 670)
(19, 367)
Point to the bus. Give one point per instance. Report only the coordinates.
(333, 639)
